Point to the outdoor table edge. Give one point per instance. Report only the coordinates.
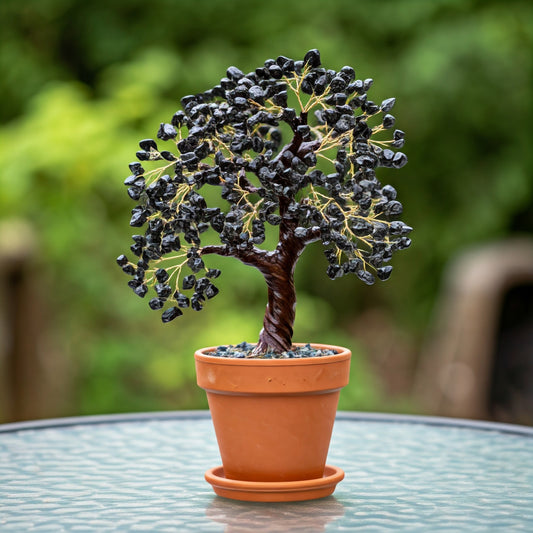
(515, 429)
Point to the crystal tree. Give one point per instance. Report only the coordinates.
(320, 185)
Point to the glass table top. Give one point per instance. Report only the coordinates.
(146, 473)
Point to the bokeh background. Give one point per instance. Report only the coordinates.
(82, 82)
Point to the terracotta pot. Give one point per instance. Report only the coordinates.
(273, 418)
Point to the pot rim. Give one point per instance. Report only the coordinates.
(202, 354)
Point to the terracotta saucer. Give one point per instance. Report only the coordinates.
(274, 491)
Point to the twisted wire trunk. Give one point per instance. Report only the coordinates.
(281, 307)
(280, 312)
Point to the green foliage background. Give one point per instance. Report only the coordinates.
(82, 82)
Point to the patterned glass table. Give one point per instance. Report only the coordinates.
(146, 473)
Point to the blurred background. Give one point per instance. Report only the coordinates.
(81, 82)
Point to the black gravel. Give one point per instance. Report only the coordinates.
(244, 349)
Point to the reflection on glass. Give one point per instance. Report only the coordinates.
(306, 517)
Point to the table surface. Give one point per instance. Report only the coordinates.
(145, 472)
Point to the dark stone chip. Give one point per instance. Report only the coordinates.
(182, 300)
(134, 193)
(162, 275)
(188, 99)
(350, 88)
(289, 115)
(166, 132)
(211, 291)
(136, 249)
(189, 157)
(273, 219)
(178, 119)
(383, 273)
(227, 84)
(347, 73)
(187, 145)
(201, 285)
(162, 290)
(256, 93)
(310, 159)
(359, 86)
(362, 228)
(142, 155)
(195, 264)
(148, 144)
(386, 157)
(134, 283)
(365, 277)
(138, 217)
(307, 86)
(387, 104)
(280, 99)
(399, 228)
(213, 273)
(257, 144)
(202, 151)
(152, 252)
(275, 71)
(234, 73)
(312, 58)
(397, 135)
(170, 314)
(168, 156)
(140, 239)
(398, 143)
(353, 265)
(298, 165)
(389, 192)
(334, 271)
(137, 168)
(288, 67)
(188, 282)
(388, 121)
(362, 131)
(400, 160)
(143, 264)
(156, 303)
(300, 233)
(320, 85)
(261, 72)
(365, 202)
(367, 161)
(403, 243)
(196, 303)
(367, 84)
(305, 131)
(370, 107)
(339, 99)
(217, 223)
(345, 123)
(338, 84)
(141, 290)
(281, 60)
(155, 226)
